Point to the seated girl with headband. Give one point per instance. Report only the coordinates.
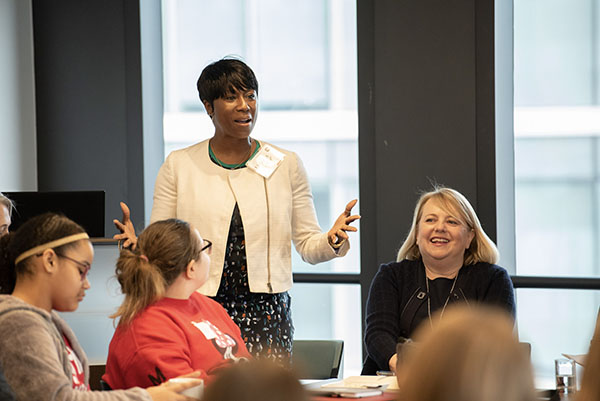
(44, 266)
(166, 328)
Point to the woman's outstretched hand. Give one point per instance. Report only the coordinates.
(338, 233)
(170, 390)
(127, 238)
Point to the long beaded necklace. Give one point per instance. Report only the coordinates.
(247, 157)
(445, 303)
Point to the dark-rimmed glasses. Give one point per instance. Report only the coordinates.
(207, 246)
(83, 267)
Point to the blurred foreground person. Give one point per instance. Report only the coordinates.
(257, 380)
(590, 383)
(470, 355)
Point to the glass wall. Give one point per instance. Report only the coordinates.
(556, 127)
(304, 56)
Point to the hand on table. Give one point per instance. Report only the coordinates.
(393, 362)
(170, 390)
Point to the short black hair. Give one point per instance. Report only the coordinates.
(225, 76)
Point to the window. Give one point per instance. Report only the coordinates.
(304, 56)
(557, 187)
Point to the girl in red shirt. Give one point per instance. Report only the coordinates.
(165, 327)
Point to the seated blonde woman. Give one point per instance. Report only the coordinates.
(446, 258)
(470, 355)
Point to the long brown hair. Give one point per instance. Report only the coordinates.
(163, 252)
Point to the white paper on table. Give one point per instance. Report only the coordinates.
(385, 383)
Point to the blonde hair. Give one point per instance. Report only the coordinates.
(256, 380)
(590, 385)
(4, 200)
(470, 355)
(163, 251)
(482, 249)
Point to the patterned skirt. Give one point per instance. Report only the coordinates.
(265, 320)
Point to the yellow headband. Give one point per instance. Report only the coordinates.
(51, 244)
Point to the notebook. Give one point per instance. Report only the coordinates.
(344, 392)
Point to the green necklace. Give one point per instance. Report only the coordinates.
(232, 166)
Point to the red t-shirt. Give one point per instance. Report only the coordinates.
(173, 337)
(78, 375)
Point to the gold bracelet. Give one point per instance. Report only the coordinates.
(335, 245)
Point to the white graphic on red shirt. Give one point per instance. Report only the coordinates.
(77, 374)
(212, 332)
(221, 341)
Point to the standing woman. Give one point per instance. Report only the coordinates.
(253, 199)
(44, 265)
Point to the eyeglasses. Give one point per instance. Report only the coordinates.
(83, 267)
(207, 246)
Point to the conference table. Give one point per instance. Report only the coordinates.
(541, 395)
(386, 396)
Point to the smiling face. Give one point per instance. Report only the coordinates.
(70, 282)
(442, 237)
(234, 115)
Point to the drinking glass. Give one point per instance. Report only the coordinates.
(566, 380)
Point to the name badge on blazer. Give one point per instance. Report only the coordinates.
(266, 161)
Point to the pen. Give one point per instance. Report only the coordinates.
(385, 373)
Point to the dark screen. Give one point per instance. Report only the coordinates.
(84, 207)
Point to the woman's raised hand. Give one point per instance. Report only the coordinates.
(127, 229)
(337, 234)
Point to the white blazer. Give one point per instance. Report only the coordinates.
(191, 187)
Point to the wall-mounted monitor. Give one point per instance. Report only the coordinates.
(84, 207)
